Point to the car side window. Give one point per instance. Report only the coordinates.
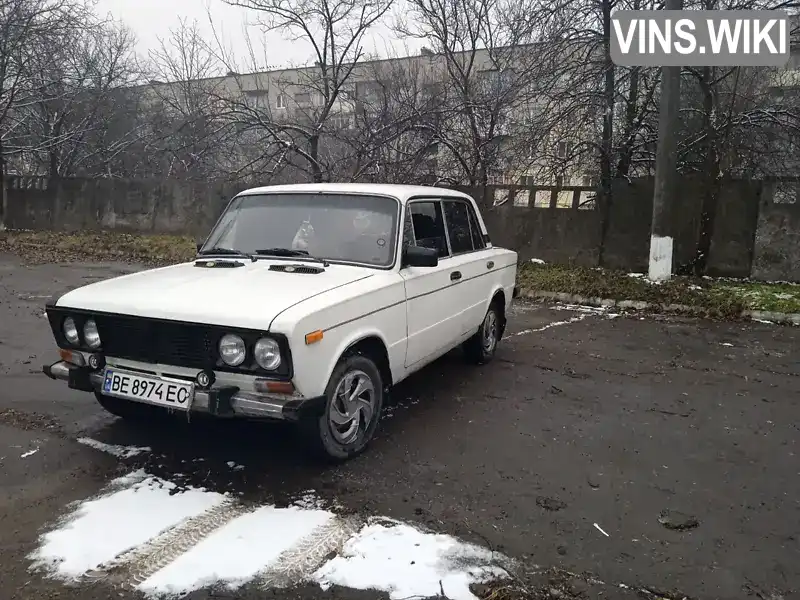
(428, 223)
(477, 235)
(458, 226)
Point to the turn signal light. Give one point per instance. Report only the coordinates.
(70, 356)
(273, 387)
(314, 337)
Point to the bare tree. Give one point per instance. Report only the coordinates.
(490, 73)
(72, 83)
(184, 106)
(392, 136)
(23, 26)
(290, 113)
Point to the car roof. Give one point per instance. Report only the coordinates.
(401, 192)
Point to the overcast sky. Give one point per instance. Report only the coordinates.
(153, 19)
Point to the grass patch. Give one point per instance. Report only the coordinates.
(38, 247)
(720, 297)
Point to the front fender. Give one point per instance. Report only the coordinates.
(351, 339)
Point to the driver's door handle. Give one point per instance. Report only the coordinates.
(455, 275)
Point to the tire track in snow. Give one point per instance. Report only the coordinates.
(296, 563)
(133, 567)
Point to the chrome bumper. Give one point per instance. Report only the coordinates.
(221, 401)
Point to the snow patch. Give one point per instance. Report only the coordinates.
(29, 453)
(103, 528)
(580, 308)
(237, 552)
(537, 261)
(406, 562)
(139, 513)
(114, 449)
(549, 325)
(309, 500)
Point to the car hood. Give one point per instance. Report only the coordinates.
(250, 296)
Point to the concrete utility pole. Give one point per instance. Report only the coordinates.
(660, 268)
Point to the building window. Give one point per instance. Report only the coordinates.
(302, 98)
(280, 102)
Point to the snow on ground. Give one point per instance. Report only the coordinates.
(101, 529)
(211, 540)
(405, 562)
(580, 317)
(118, 451)
(238, 551)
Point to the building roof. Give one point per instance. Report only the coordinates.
(401, 192)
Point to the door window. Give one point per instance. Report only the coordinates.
(428, 225)
(458, 226)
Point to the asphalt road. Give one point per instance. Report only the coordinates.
(564, 452)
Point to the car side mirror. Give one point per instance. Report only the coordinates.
(418, 256)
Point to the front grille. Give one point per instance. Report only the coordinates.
(179, 344)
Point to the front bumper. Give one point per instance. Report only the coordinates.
(220, 400)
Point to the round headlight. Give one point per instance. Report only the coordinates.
(232, 350)
(268, 354)
(71, 331)
(90, 334)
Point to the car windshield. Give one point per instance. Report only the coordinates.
(336, 227)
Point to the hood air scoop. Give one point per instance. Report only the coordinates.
(304, 269)
(218, 264)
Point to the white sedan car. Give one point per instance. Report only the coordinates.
(305, 303)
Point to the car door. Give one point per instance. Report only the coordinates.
(470, 263)
(430, 291)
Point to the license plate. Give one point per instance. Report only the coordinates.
(164, 392)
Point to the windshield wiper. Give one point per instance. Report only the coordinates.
(303, 254)
(225, 252)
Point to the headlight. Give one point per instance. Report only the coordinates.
(232, 350)
(268, 354)
(71, 331)
(90, 334)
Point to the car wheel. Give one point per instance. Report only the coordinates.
(481, 347)
(353, 404)
(126, 409)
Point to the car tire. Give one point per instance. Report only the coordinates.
(481, 347)
(126, 409)
(339, 434)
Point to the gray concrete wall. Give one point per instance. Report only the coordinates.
(168, 206)
(777, 244)
(753, 234)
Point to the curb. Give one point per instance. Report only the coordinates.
(680, 309)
